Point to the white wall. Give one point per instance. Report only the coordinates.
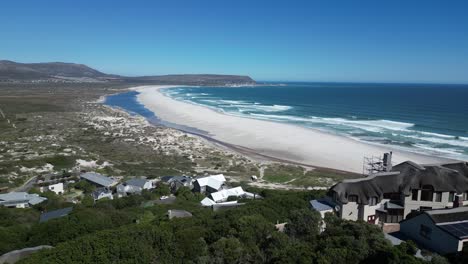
(415, 205)
(439, 241)
(148, 185)
(56, 188)
(368, 210)
(349, 211)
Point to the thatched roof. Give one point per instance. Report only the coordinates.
(403, 178)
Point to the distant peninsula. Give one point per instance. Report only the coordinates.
(62, 72)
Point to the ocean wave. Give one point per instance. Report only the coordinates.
(441, 141)
(267, 108)
(369, 125)
(244, 106)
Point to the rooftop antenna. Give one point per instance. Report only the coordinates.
(377, 164)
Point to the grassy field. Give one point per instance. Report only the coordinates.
(299, 176)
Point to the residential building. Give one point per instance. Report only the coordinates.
(388, 197)
(20, 199)
(223, 195)
(209, 184)
(56, 188)
(175, 182)
(101, 193)
(443, 230)
(98, 179)
(55, 214)
(134, 186)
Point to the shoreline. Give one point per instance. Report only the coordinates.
(267, 139)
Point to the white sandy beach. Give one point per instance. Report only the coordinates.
(279, 140)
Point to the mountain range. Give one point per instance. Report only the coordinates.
(11, 71)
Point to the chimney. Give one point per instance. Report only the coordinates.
(387, 161)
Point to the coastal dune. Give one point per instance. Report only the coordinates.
(278, 140)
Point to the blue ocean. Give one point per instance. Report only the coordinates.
(424, 118)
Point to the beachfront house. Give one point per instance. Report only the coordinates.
(98, 179)
(209, 184)
(134, 186)
(443, 231)
(20, 199)
(101, 193)
(388, 197)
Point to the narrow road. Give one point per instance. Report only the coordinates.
(27, 185)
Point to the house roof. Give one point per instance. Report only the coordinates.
(20, 197)
(139, 182)
(403, 178)
(182, 179)
(124, 188)
(224, 194)
(98, 179)
(448, 215)
(213, 181)
(320, 205)
(458, 229)
(55, 214)
(178, 213)
(453, 220)
(100, 191)
(207, 202)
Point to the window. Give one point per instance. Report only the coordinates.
(414, 195)
(465, 196)
(438, 197)
(335, 197)
(373, 201)
(425, 231)
(451, 197)
(352, 198)
(392, 196)
(424, 208)
(427, 193)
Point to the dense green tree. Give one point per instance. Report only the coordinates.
(227, 250)
(304, 224)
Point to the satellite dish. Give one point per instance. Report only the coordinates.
(337, 208)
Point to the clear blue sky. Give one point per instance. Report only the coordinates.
(387, 41)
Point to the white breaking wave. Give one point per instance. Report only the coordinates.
(265, 108)
(244, 106)
(435, 140)
(368, 125)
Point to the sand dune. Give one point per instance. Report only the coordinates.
(279, 140)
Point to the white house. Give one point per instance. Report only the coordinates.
(443, 231)
(389, 197)
(20, 199)
(209, 184)
(56, 188)
(223, 195)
